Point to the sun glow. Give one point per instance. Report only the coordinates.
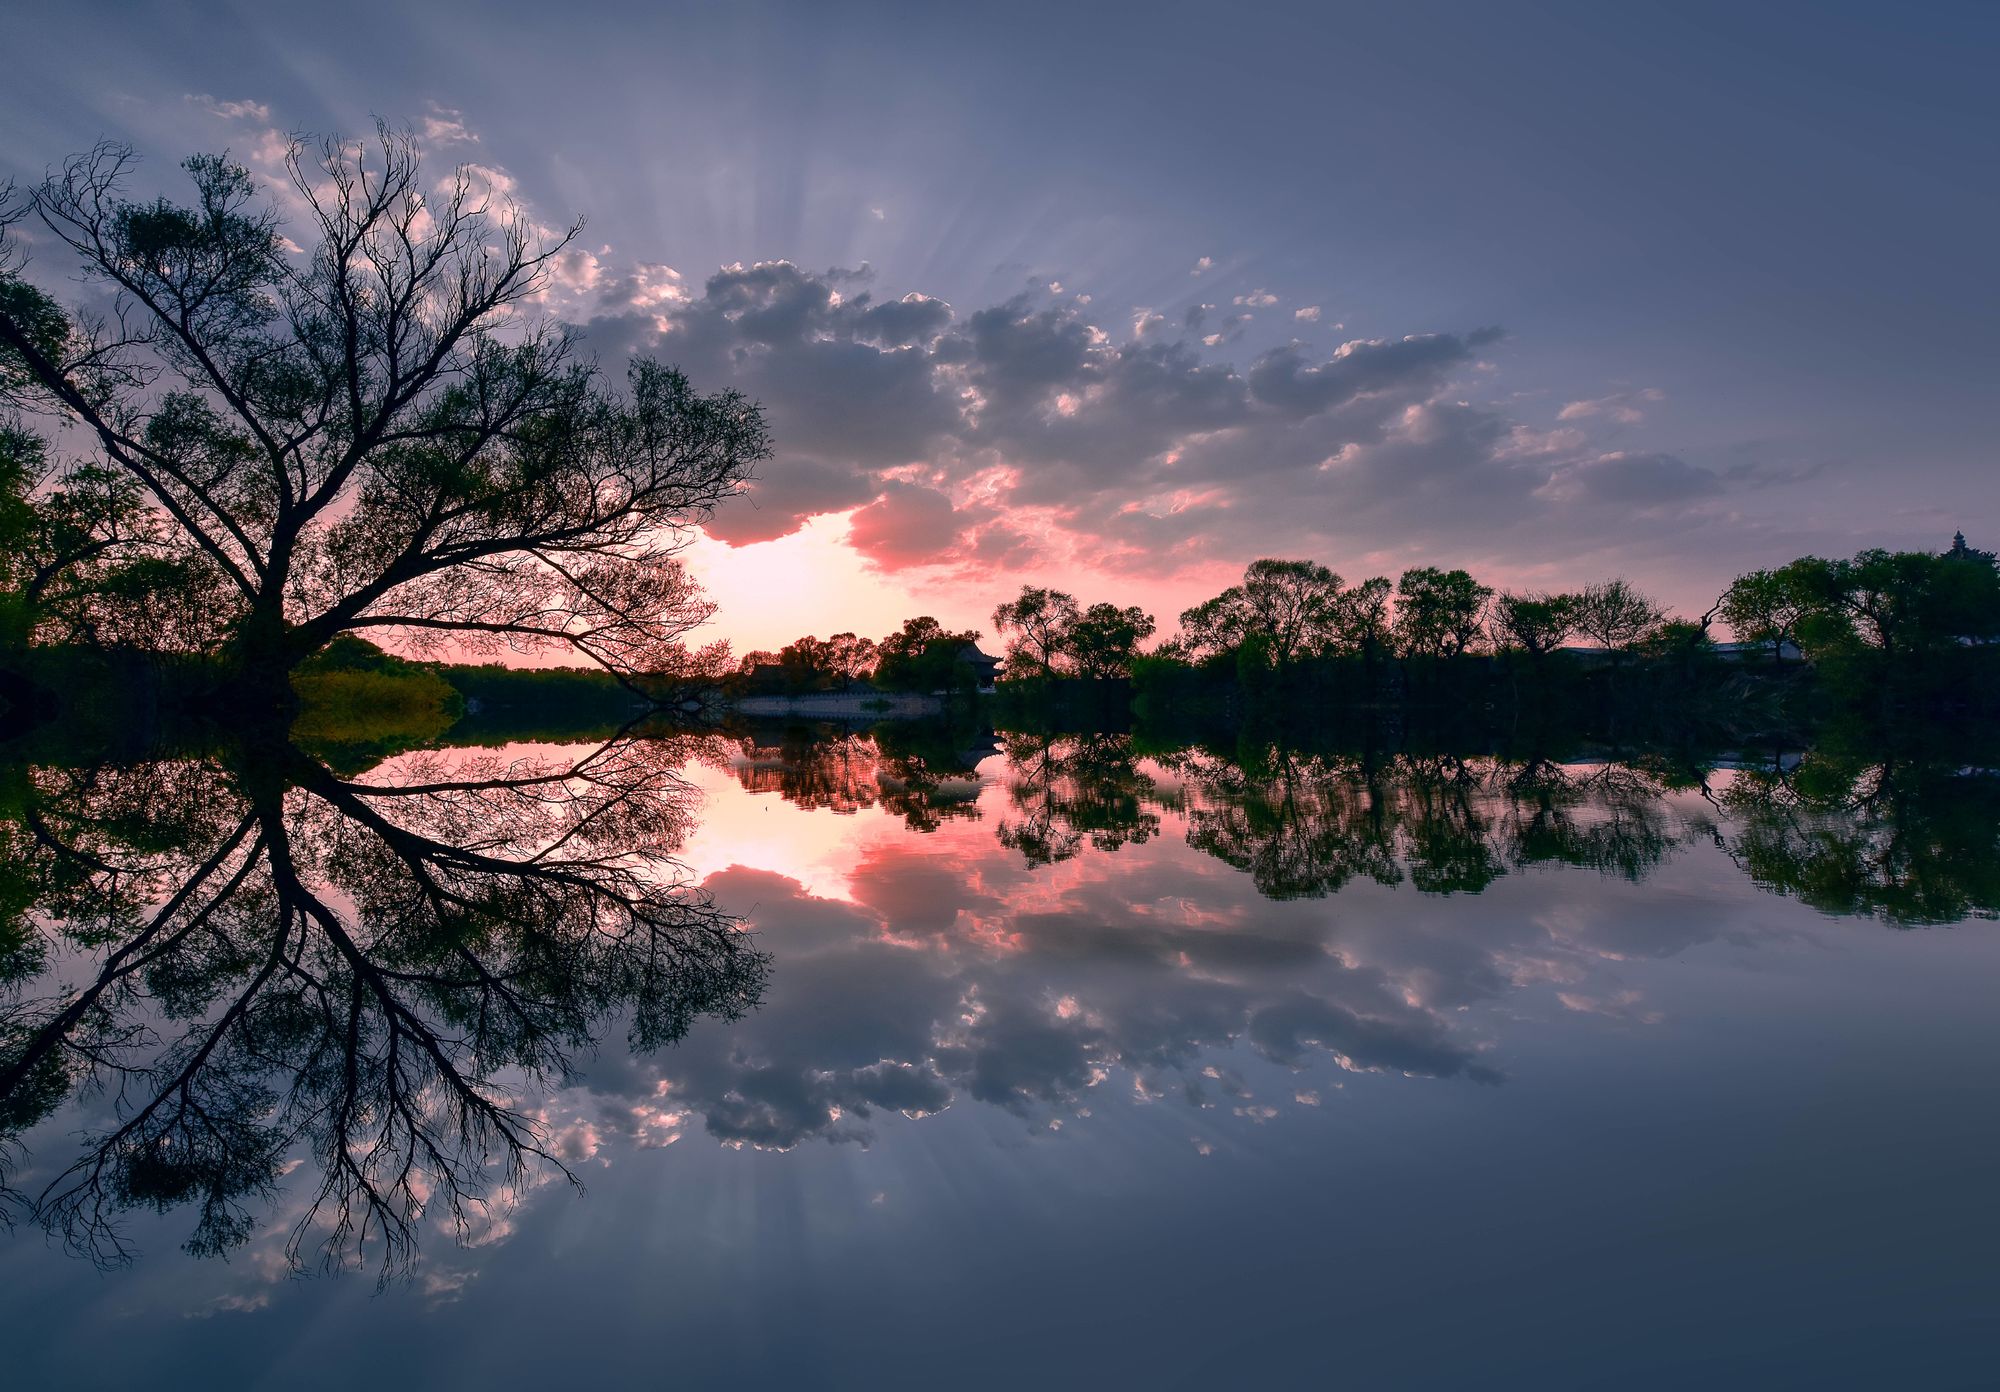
(771, 592)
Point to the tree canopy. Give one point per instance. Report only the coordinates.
(376, 432)
(1439, 613)
(1049, 634)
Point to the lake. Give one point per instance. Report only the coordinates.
(946, 1058)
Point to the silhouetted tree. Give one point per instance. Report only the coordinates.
(1616, 615)
(1361, 621)
(1608, 817)
(374, 433)
(1104, 640)
(1294, 607)
(1767, 606)
(1037, 627)
(821, 664)
(1537, 624)
(1897, 601)
(1439, 613)
(1301, 826)
(1066, 792)
(1911, 842)
(84, 560)
(923, 656)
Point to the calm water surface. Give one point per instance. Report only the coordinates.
(1050, 1064)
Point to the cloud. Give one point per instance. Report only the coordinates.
(1623, 407)
(1632, 479)
(445, 125)
(785, 494)
(1257, 299)
(1203, 265)
(1414, 1044)
(950, 970)
(1021, 354)
(1308, 314)
(968, 443)
(908, 525)
(1285, 379)
(230, 110)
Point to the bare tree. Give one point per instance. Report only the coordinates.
(1615, 614)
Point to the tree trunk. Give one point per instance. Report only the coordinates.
(260, 660)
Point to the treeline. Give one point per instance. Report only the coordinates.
(922, 655)
(1900, 628)
(1285, 613)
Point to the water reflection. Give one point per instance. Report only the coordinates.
(365, 1004)
(1069, 792)
(1913, 843)
(260, 963)
(924, 774)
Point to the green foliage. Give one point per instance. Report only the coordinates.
(579, 696)
(923, 656)
(1768, 606)
(1912, 842)
(1294, 607)
(1884, 627)
(36, 328)
(1537, 624)
(1439, 613)
(1104, 640)
(348, 714)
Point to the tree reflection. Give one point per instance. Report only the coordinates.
(1303, 826)
(1608, 817)
(1907, 841)
(257, 962)
(1910, 841)
(927, 775)
(1072, 790)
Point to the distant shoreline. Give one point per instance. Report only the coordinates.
(843, 705)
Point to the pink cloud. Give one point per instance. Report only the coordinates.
(908, 525)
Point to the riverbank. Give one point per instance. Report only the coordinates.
(843, 705)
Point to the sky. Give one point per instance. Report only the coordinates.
(1119, 298)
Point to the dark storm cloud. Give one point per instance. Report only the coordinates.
(912, 320)
(769, 303)
(843, 378)
(1019, 1056)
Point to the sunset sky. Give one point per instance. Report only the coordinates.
(1119, 298)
